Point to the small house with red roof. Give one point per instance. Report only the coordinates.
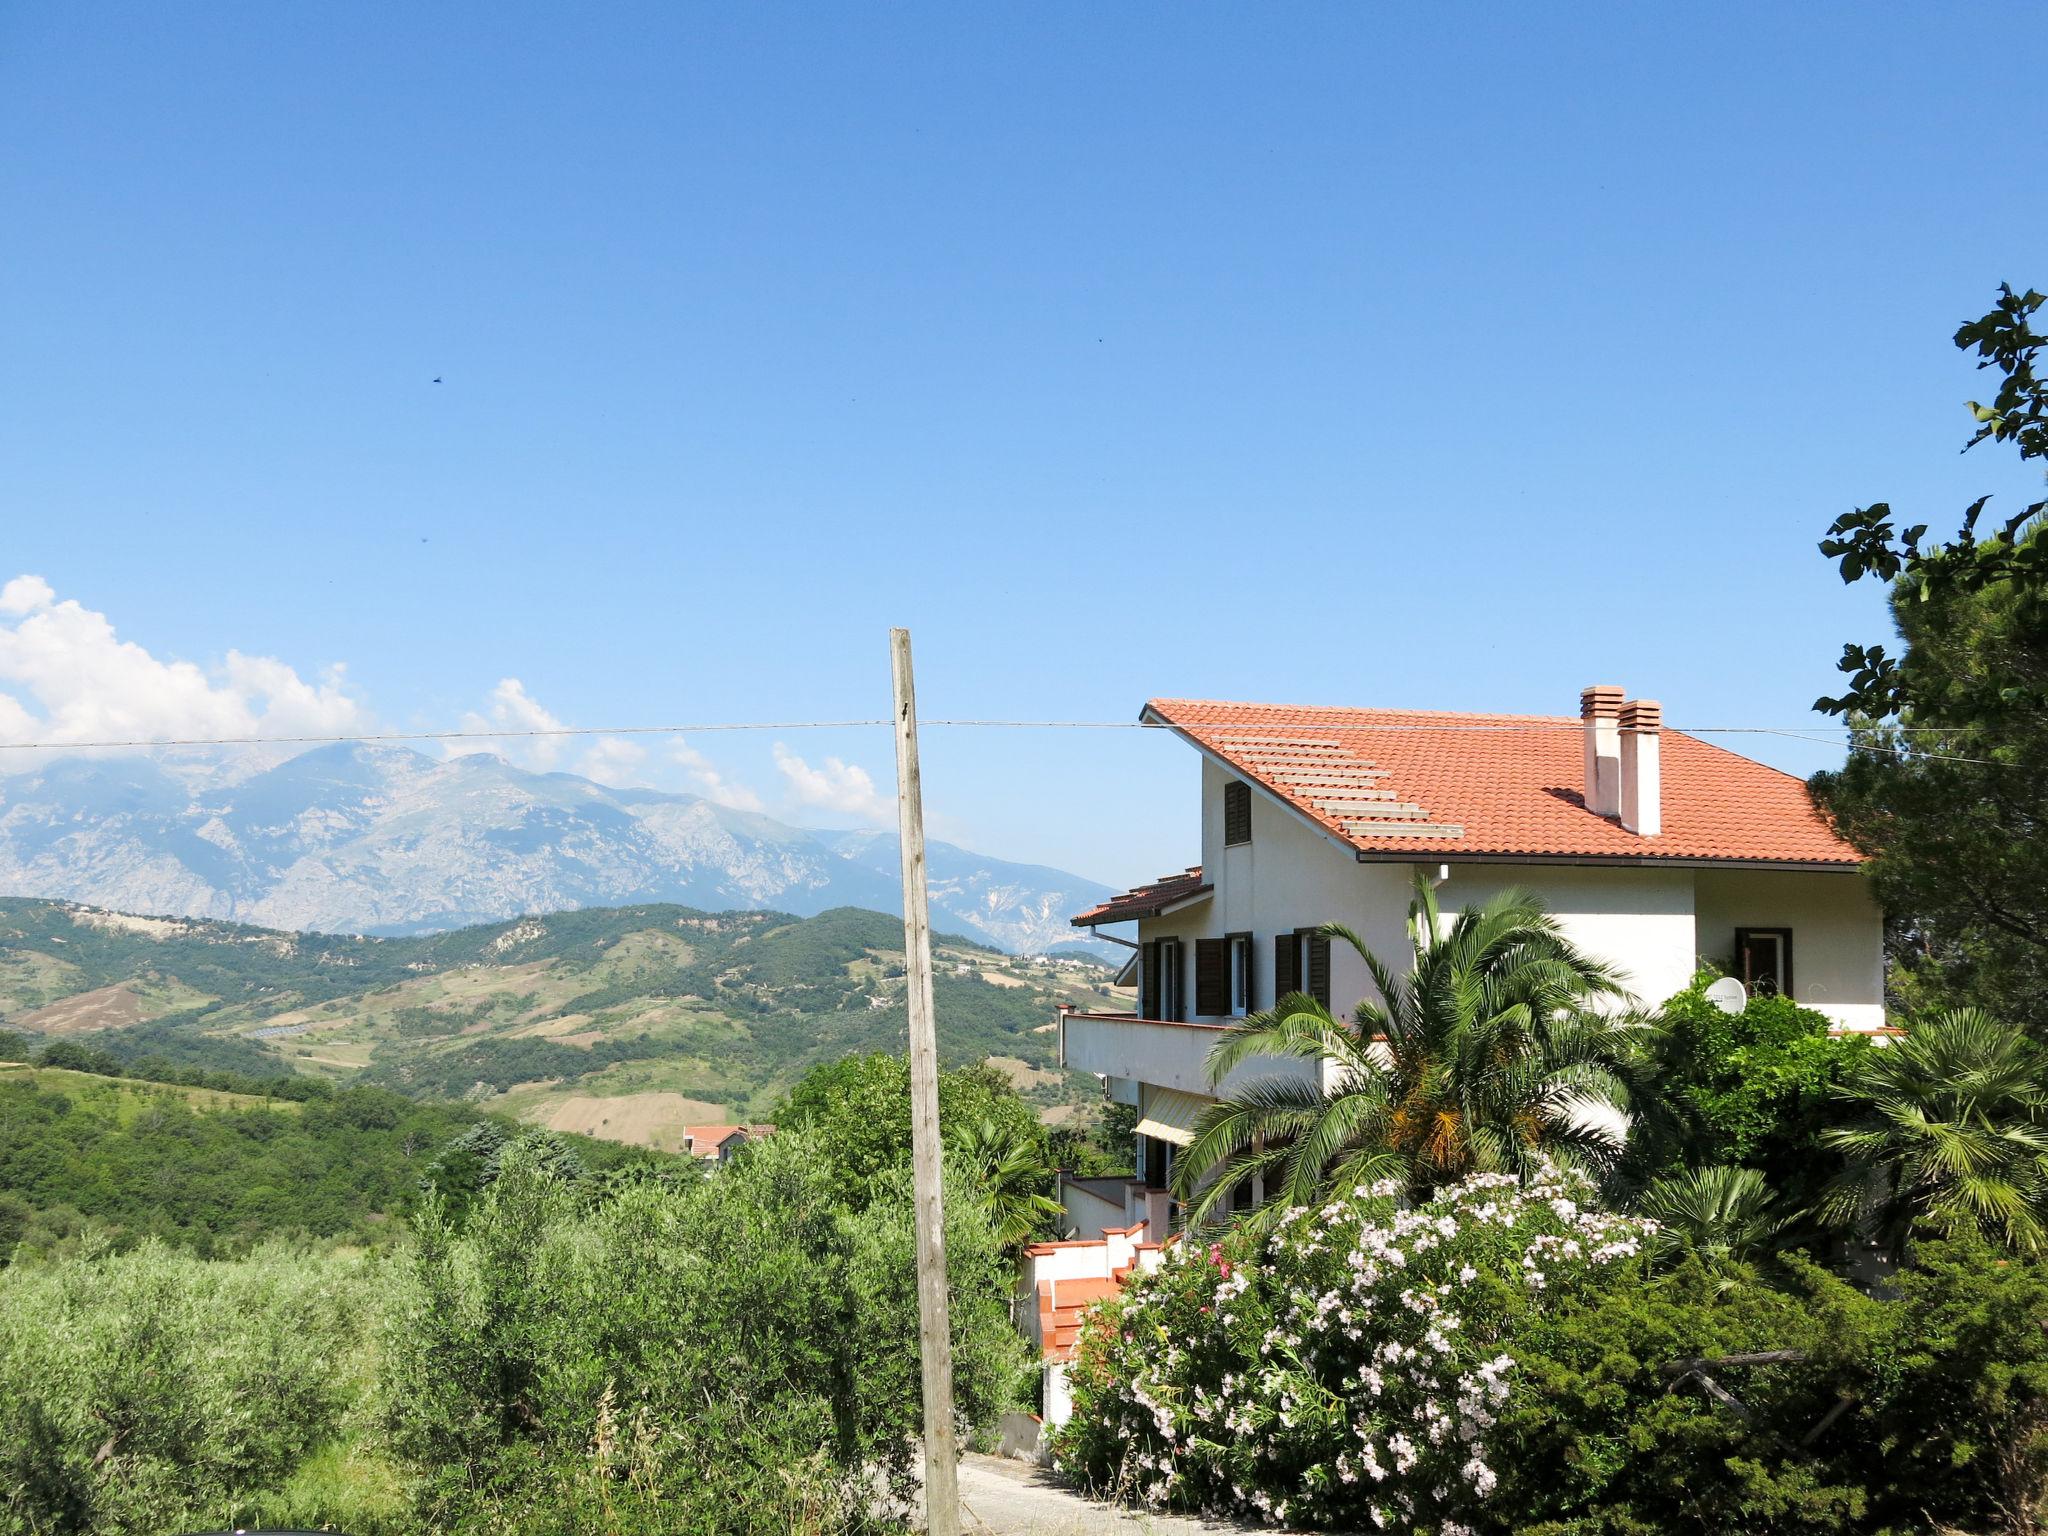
(1655, 850)
(721, 1143)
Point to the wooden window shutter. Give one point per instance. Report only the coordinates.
(1319, 968)
(1212, 978)
(1237, 812)
(1148, 981)
(1286, 969)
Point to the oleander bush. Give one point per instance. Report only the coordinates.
(1347, 1370)
(1505, 1360)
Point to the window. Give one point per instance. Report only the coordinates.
(1240, 993)
(1301, 963)
(1237, 813)
(1763, 959)
(1212, 978)
(1158, 1162)
(1162, 995)
(1223, 977)
(1315, 964)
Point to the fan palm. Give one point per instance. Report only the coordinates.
(1727, 1216)
(1007, 1166)
(1950, 1129)
(1491, 1052)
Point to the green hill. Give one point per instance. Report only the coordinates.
(211, 1170)
(623, 1022)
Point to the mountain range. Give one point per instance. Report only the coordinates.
(374, 839)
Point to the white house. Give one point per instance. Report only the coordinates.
(1654, 850)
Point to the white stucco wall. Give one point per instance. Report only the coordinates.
(1639, 920)
(1837, 933)
(1291, 876)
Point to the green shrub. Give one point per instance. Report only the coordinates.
(858, 1111)
(1598, 1439)
(1752, 1089)
(738, 1355)
(1947, 1428)
(1955, 1419)
(153, 1391)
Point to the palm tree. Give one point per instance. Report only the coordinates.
(1950, 1129)
(1487, 1055)
(1726, 1216)
(1007, 1165)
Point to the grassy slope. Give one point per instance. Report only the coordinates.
(123, 1101)
(206, 1169)
(718, 1012)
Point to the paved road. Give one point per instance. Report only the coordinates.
(1010, 1498)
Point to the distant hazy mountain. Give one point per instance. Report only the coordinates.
(377, 839)
(1027, 904)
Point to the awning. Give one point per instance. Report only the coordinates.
(1170, 1115)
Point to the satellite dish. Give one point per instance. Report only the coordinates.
(1728, 995)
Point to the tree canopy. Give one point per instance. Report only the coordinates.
(1945, 790)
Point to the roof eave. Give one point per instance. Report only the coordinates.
(1625, 860)
(1158, 909)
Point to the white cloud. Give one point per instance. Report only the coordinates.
(66, 677)
(512, 708)
(834, 785)
(709, 782)
(25, 594)
(613, 760)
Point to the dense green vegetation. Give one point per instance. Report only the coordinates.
(1945, 1379)
(857, 1111)
(82, 1155)
(732, 1354)
(1946, 791)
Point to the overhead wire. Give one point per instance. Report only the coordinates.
(700, 727)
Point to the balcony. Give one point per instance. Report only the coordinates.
(1163, 1052)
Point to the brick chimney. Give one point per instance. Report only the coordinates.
(1600, 711)
(1642, 785)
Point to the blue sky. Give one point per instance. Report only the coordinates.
(1429, 356)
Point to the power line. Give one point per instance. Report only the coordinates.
(496, 735)
(1444, 727)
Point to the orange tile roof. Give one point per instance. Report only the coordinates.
(705, 1140)
(1147, 900)
(1424, 784)
(1062, 1305)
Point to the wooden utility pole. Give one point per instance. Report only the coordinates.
(934, 1326)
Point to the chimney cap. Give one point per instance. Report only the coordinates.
(1642, 715)
(1602, 701)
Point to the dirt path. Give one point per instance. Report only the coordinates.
(1001, 1497)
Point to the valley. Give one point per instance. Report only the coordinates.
(623, 1023)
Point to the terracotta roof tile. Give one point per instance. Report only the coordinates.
(705, 1140)
(1148, 900)
(1062, 1308)
(1416, 783)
